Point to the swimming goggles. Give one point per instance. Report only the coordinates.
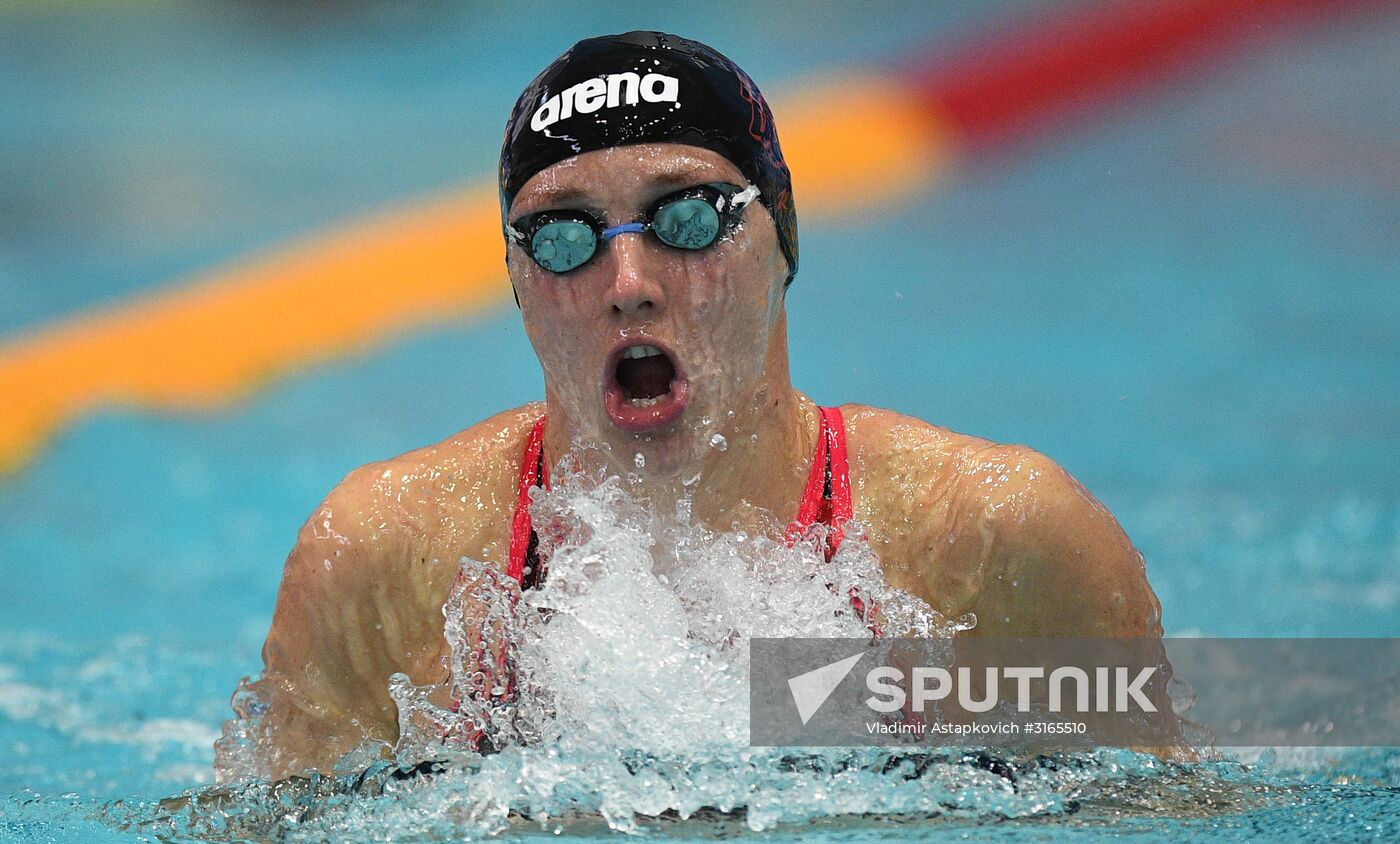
(693, 218)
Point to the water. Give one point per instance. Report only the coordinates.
(1189, 306)
(631, 666)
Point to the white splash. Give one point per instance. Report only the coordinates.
(639, 637)
(637, 646)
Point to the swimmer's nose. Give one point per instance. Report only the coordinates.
(634, 288)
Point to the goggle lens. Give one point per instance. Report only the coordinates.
(562, 245)
(687, 223)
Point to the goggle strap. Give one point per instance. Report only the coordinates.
(743, 197)
(609, 234)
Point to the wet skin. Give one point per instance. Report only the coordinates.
(970, 526)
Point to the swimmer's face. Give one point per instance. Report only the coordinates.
(714, 314)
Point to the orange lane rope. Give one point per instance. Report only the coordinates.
(204, 342)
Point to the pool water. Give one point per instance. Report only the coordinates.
(1190, 305)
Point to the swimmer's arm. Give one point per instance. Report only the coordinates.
(1033, 555)
(1053, 560)
(1061, 566)
(350, 612)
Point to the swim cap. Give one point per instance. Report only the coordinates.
(649, 87)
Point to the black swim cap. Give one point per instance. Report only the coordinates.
(649, 87)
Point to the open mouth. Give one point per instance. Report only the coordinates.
(645, 389)
(644, 374)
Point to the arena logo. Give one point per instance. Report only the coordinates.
(607, 91)
(1110, 688)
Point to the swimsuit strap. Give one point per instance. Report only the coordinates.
(838, 473)
(814, 494)
(826, 499)
(524, 563)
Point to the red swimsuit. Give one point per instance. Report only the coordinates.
(826, 500)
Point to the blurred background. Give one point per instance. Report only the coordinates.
(1156, 241)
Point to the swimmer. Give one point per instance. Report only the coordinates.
(651, 240)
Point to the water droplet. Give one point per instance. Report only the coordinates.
(640, 460)
(718, 441)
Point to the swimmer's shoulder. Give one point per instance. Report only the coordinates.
(901, 458)
(485, 457)
(998, 529)
(922, 464)
(927, 493)
(442, 501)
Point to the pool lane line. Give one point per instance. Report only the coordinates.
(206, 342)
(1017, 83)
